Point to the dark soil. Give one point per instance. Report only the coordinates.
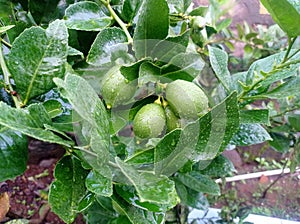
(28, 193)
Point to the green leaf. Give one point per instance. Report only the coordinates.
(200, 140)
(166, 49)
(131, 72)
(47, 51)
(219, 167)
(199, 182)
(255, 117)
(150, 187)
(68, 188)
(150, 27)
(42, 10)
(135, 215)
(142, 157)
(92, 129)
(286, 21)
(280, 142)
(130, 8)
(148, 73)
(109, 46)
(250, 134)
(199, 11)
(74, 52)
(99, 214)
(186, 66)
(39, 115)
(88, 16)
(99, 184)
(20, 120)
(191, 197)
(86, 202)
(294, 120)
(259, 68)
(129, 194)
(13, 153)
(53, 108)
(179, 6)
(3, 29)
(219, 62)
(289, 88)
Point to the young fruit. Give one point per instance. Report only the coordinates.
(186, 99)
(116, 90)
(150, 121)
(172, 120)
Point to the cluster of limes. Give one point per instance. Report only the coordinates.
(181, 101)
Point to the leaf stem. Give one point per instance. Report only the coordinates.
(119, 21)
(291, 42)
(6, 43)
(7, 77)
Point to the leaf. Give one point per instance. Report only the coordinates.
(286, 89)
(53, 108)
(264, 66)
(92, 129)
(129, 194)
(88, 16)
(42, 10)
(191, 197)
(255, 117)
(3, 29)
(68, 189)
(136, 215)
(219, 167)
(20, 120)
(39, 115)
(86, 202)
(186, 66)
(47, 51)
(98, 184)
(250, 134)
(109, 46)
(97, 214)
(294, 120)
(286, 21)
(199, 11)
(150, 187)
(148, 73)
(199, 182)
(13, 153)
(142, 157)
(150, 27)
(74, 52)
(179, 6)
(279, 142)
(130, 8)
(200, 140)
(131, 72)
(219, 62)
(166, 49)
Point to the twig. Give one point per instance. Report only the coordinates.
(7, 77)
(275, 181)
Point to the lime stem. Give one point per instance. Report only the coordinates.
(119, 21)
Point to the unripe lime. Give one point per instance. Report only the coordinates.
(116, 90)
(149, 121)
(172, 120)
(186, 99)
